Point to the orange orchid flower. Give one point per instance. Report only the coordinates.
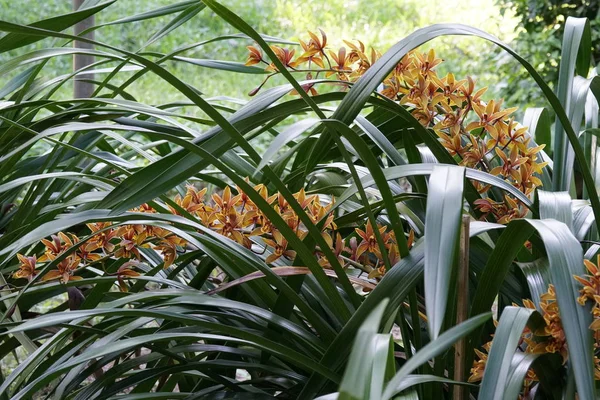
(279, 245)
(131, 240)
(227, 202)
(254, 57)
(451, 89)
(509, 164)
(426, 63)
(285, 56)
(64, 270)
(168, 251)
(125, 271)
(342, 64)
(26, 267)
(85, 251)
(489, 116)
(102, 238)
(56, 246)
(311, 55)
(232, 225)
(318, 43)
(369, 241)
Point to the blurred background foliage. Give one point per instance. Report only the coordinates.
(533, 27)
(379, 23)
(539, 29)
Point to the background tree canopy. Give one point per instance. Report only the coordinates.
(540, 26)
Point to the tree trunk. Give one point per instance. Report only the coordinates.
(82, 89)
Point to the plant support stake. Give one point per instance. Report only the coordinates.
(462, 308)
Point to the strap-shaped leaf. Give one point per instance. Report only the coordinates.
(380, 140)
(395, 285)
(289, 134)
(556, 205)
(580, 94)
(401, 171)
(576, 34)
(442, 230)
(359, 371)
(583, 218)
(417, 379)
(538, 122)
(498, 368)
(15, 40)
(537, 273)
(566, 259)
(433, 349)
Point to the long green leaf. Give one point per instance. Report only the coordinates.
(576, 31)
(555, 205)
(290, 133)
(401, 171)
(395, 285)
(442, 230)
(14, 40)
(355, 384)
(566, 259)
(498, 367)
(433, 349)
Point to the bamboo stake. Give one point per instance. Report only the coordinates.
(462, 309)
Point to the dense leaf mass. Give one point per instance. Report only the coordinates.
(361, 226)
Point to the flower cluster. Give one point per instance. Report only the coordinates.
(124, 241)
(591, 291)
(478, 134)
(234, 216)
(343, 65)
(551, 337)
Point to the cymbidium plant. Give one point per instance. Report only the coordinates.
(159, 251)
